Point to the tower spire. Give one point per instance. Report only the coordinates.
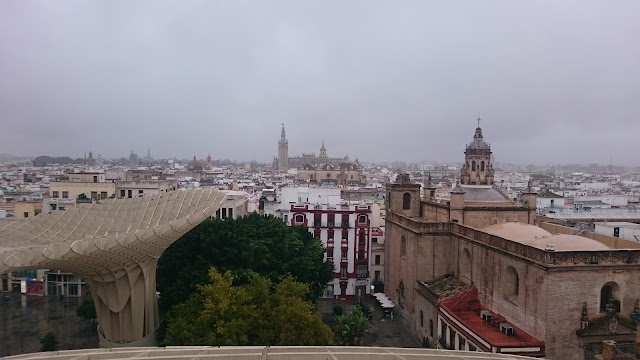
(283, 136)
(478, 121)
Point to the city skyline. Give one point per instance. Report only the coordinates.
(384, 82)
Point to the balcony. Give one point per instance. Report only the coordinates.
(345, 225)
(331, 224)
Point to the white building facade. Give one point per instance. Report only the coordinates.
(344, 229)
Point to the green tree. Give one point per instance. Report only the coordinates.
(351, 329)
(48, 342)
(258, 313)
(87, 309)
(245, 246)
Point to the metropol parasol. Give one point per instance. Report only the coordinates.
(114, 245)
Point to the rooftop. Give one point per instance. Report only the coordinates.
(466, 308)
(264, 353)
(483, 193)
(446, 286)
(537, 237)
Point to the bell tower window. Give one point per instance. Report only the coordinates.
(406, 201)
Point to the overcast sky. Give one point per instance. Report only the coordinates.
(554, 81)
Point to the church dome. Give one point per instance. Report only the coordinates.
(478, 142)
(519, 232)
(566, 242)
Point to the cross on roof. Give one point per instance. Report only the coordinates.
(478, 122)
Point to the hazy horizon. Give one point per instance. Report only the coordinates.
(554, 82)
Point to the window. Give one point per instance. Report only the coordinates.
(362, 219)
(406, 201)
(374, 240)
(473, 165)
(482, 166)
(403, 246)
(230, 212)
(29, 273)
(73, 289)
(25, 214)
(344, 253)
(140, 191)
(224, 213)
(65, 194)
(122, 193)
(362, 238)
(286, 218)
(608, 297)
(95, 179)
(329, 253)
(55, 195)
(376, 260)
(94, 195)
(129, 194)
(361, 271)
(299, 219)
(452, 339)
(421, 319)
(512, 286)
(343, 272)
(430, 327)
(376, 277)
(461, 343)
(616, 231)
(103, 195)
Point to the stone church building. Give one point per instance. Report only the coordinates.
(473, 271)
(319, 169)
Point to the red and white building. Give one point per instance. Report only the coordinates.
(344, 229)
(465, 324)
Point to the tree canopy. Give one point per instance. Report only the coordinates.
(87, 309)
(258, 313)
(49, 342)
(351, 329)
(249, 245)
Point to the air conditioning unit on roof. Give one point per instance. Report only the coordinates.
(486, 315)
(506, 329)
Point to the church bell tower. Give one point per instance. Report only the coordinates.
(477, 168)
(283, 152)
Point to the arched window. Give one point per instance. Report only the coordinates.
(512, 284)
(608, 297)
(473, 165)
(406, 201)
(421, 319)
(482, 166)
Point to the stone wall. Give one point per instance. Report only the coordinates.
(551, 286)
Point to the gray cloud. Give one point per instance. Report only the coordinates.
(554, 81)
